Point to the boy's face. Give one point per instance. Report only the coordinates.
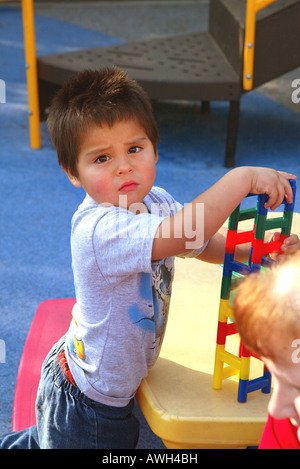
(285, 398)
(116, 165)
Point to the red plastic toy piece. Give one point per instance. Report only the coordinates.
(50, 323)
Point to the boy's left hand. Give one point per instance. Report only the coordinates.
(290, 244)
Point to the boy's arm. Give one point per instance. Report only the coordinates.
(214, 252)
(218, 202)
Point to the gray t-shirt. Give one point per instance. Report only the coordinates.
(123, 298)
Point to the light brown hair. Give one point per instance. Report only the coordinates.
(266, 308)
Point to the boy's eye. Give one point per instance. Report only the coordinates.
(135, 149)
(102, 159)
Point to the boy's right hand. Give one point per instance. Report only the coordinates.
(273, 183)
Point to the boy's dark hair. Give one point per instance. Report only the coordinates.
(96, 97)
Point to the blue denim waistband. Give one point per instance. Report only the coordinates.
(60, 380)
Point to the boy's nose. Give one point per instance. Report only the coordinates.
(124, 166)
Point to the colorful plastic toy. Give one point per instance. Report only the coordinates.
(51, 321)
(240, 364)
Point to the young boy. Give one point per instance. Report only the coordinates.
(124, 238)
(267, 314)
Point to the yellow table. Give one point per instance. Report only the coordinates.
(177, 398)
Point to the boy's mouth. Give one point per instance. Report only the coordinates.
(128, 186)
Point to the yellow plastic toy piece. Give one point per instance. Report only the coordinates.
(239, 366)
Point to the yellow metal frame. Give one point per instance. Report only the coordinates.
(31, 72)
(253, 6)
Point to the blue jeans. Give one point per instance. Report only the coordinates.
(67, 419)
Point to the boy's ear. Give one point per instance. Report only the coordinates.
(74, 180)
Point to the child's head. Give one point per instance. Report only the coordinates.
(96, 98)
(267, 313)
(267, 309)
